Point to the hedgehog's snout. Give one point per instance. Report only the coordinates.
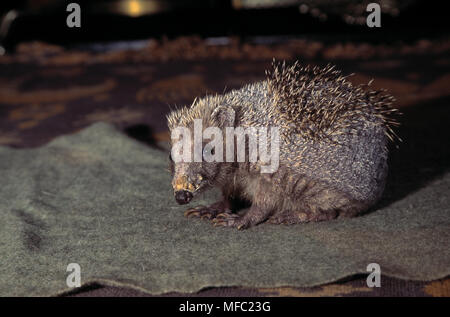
(183, 197)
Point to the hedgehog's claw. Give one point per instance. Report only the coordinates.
(223, 215)
(192, 212)
(203, 212)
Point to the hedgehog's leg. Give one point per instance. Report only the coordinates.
(263, 203)
(209, 212)
(318, 203)
(254, 216)
(290, 217)
(326, 204)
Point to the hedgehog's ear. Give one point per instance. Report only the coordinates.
(224, 116)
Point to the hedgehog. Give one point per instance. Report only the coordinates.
(333, 149)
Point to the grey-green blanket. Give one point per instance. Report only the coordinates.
(104, 201)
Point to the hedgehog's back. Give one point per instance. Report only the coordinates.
(319, 102)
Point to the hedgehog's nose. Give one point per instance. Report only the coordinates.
(183, 196)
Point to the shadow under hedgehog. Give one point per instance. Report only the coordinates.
(332, 148)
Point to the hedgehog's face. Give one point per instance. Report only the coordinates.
(192, 178)
(196, 170)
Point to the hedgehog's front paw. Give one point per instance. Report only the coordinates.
(227, 219)
(205, 212)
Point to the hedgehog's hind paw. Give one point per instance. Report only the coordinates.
(293, 217)
(227, 219)
(287, 218)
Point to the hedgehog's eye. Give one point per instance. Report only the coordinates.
(170, 157)
(209, 151)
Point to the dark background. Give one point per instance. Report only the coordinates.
(115, 20)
